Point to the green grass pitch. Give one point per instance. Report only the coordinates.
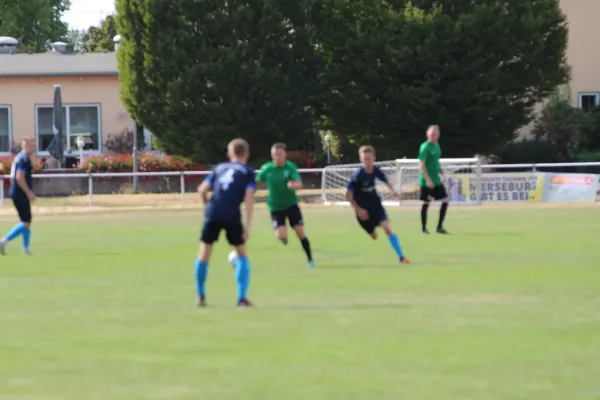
(508, 307)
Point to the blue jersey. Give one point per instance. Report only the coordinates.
(229, 182)
(21, 163)
(362, 186)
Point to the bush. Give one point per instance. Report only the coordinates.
(303, 158)
(148, 162)
(122, 143)
(529, 151)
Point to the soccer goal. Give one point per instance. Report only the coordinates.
(461, 177)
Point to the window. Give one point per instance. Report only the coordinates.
(587, 101)
(79, 119)
(5, 130)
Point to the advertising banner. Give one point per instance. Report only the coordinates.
(496, 187)
(570, 187)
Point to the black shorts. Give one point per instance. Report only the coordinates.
(438, 192)
(233, 230)
(23, 207)
(292, 214)
(376, 216)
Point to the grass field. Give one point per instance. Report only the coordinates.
(505, 308)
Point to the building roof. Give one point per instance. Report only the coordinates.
(57, 64)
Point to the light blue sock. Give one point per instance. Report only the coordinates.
(395, 242)
(242, 276)
(15, 232)
(26, 237)
(201, 273)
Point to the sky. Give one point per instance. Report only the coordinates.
(85, 13)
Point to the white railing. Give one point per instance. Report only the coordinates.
(182, 174)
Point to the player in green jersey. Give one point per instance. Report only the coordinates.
(282, 179)
(430, 179)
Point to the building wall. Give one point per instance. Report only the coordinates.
(583, 53)
(23, 94)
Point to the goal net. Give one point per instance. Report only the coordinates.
(461, 177)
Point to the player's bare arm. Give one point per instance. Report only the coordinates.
(362, 213)
(203, 190)
(393, 190)
(249, 201)
(22, 182)
(296, 184)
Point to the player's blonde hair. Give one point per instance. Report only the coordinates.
(366, 150)
(26, 142)
(431, 128)
(279, 146)
(238, 148)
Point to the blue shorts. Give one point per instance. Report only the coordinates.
(233, 230)
(376, 215)
(23, 207)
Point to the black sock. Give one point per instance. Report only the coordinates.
(306, 247)
(443, 209)
(424, 209)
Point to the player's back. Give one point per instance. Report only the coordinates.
(229, 181)
(20, 163)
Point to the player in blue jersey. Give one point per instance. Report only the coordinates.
(362, 195)
(232, 184)
(21, 185)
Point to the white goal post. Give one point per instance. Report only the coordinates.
(404, 175)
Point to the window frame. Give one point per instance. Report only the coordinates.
(67, 150)
(580, 96)
(8, 107)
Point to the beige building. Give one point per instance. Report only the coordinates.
(91, 97)
(583, 53)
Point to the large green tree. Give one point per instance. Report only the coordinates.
(199, 73)
(34, 22)
(477, 68)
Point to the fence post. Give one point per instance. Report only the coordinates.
(90, 189)
(533, 166)
(182, 185)
(2, 192)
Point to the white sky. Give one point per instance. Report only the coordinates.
(85, 13)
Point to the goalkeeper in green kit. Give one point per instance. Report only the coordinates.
(282, 179)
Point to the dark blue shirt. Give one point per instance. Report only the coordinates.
(229, 181)
(362, 186)
(20, 163)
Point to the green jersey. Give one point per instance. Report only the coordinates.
(277, 178)
(430, 154)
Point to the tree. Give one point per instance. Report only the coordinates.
(100, 38)
(475, 68)
(561, 124)
(34, 22)
(199, 73)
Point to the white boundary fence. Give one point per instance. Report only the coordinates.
(182, 174)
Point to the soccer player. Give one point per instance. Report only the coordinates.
(430, 178)
(362, 195)
(232, 184)
(282, 179)
(21, 185)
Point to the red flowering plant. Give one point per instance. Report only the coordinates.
(147, 162)
(6, 164)
(303, 158)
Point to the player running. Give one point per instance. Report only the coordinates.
(282, 179)
(21, 184)
(362, 195)
(430, 178)
(232, 184)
